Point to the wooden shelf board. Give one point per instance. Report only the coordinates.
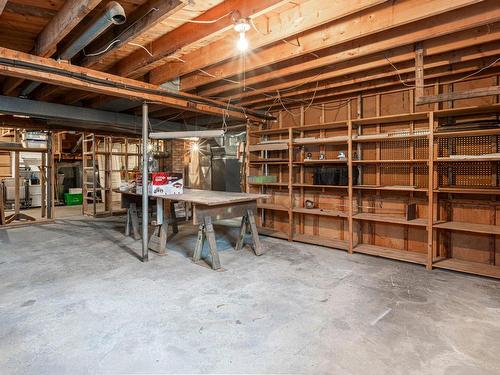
(274, 207)
(272, 233)
(469, 267)
(326, 125)
(468, 227)
(320, 141)
(320, 212)
(22, 149)
(467, 133)
(326, 161)
(493, 108)
(268, 147)
(376, 138)
(389, 188)
(420, 222)
(386, 252)
(271, 131)
(470, 159)
(389, 161)
(467, 190)
(392, 118)
(320, 186)
(322, 241)
(268, 184)
(277, 162)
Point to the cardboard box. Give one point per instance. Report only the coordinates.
(165, 183)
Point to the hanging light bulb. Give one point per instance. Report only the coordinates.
(242, 43)
(241, 26)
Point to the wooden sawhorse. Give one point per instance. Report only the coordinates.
(203, 216)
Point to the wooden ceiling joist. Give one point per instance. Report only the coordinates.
(26, 66)
(71, 13)
(143, 19)
(140, 61)
(443, 75)
(437, 55)
(369, 22)
(2, 5)
(272, 29)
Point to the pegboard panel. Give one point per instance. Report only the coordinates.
(480, 145)
(468, 174)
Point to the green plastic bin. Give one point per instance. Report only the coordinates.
(73, 199)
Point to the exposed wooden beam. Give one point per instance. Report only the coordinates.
(370, 21)
(441, 27)
(26, 66)
(387, 85)
(271, 29)
(140, 21)
(345, 39)
(140, 61)
(474, 93)
(419, 70)
(71, 13)
(144, 18)
(366, 72)
(2, 5)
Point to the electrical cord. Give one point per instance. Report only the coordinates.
(431, 85)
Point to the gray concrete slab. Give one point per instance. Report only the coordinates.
(74, 299)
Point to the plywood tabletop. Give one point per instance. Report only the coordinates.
(208, 197)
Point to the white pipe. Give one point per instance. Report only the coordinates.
(188, 134)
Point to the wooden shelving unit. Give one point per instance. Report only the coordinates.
(443, 172)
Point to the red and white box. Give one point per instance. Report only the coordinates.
(165, 183)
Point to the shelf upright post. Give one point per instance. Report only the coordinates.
(349, 176)
(290, 179)
(430, 204)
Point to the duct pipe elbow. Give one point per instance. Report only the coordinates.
(115, 13)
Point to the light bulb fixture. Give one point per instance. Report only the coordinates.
(241, 26)
(195, 147)
(242, 43)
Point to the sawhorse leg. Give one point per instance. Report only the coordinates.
(132, 222)
(248, 222)
(206, 230)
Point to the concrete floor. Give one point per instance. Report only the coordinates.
(74, 299)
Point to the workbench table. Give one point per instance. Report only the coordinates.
(207, 206)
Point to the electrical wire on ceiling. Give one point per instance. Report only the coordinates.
(117, 38)
(201, 21)
(431, 85)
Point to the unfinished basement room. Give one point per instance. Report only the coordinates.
(250, 187)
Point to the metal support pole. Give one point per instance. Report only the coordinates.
(145, 236)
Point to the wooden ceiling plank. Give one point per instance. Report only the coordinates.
(348, 30)
(18, 64)
(2, 5)
(140, 21)
(291, 22)
(188, 33)
(388, 84)
(71, 13)
(469, 25)
(469, 56)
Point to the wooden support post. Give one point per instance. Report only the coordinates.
(2, 205)
(430, 208)
(349, 176)
(419, 70)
